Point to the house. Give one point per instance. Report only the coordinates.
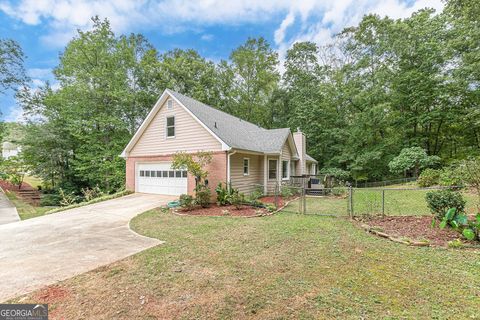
(10, 150)
(243, 154)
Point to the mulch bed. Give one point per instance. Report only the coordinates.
(415, 228)
(215, 210)
(10, 187)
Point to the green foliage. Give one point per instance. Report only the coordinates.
(202, 195)
(91, 193)
(226, 195)
(96, 200)
(186, 201)
(256, 193)
(286, 191)
(441, 201)
(12, 72)
(337, 173)
(451, 177)
(14, 170)
(194, 163)
(412, 159)
(67, 198)
(50, 200)
(339, 191)
(237, 199)
(428, 178)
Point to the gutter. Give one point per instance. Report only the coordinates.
(229, 178)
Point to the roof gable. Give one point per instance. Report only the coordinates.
(230, 131)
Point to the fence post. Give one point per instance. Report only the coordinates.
(383, 202)
(304, 200)
(350, 201)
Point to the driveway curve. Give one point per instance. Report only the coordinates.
(47, 249)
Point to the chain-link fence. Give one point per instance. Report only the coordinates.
(305, 197)
(400, 201)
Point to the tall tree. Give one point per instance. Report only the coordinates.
(253, 68)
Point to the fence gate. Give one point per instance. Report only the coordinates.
(311, 197)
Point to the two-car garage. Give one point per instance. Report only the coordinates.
(160, 178)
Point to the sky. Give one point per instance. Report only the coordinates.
(212, 27)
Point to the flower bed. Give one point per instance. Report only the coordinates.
(412, 230)
(216, 210)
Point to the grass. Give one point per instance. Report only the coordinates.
(277, 267)
(369, 201)
(33, 181)
(24, 209)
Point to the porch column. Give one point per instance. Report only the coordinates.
(265, 174)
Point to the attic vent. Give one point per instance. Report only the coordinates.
(169, 104)
(215, 124)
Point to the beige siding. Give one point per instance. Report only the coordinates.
(246, 183)
(190, 136)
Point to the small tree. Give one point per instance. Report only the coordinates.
(195, 165)
(14, 169)
(414, 158)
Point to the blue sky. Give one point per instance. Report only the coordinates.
(212, 27)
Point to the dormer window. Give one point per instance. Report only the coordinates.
(170, 127)
(169, 104)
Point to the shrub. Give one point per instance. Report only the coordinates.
(428, 178)
(224, 194)
(440, 201)
(67, 199)
(339, 191)
(237, 199)
(450, 177)
(256, 193)
(90, 194)
(202, 195)
(186, 202)
(50, 200)
(287, 191)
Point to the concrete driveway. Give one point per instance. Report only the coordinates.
(8, 212)
(44, 250)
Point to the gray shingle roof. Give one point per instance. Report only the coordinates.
(309, 158)
(235, 132)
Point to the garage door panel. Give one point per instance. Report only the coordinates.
(160, 178)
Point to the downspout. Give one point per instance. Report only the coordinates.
(229, 178)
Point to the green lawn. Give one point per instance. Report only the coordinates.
(278, 267)
(369, 201)
(24, 209)
(33, 181)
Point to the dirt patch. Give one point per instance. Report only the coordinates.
(52, 294)
(271, 200)
(414, 228)
(215, 210)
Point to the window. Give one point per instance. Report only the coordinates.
(272, 169)
(142, 173)
(178, 174)
(170, 127)
(285, 169)
(184, 173)
(152, 173)
(165, 174)
(171, 174)
(159, 174)
(147, 173)
(169, 104)
(246, 166)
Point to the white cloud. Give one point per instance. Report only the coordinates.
(314, 20)
(207, 37)
(15, 114)
(43, 73)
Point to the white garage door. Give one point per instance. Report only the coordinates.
(159, 178)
